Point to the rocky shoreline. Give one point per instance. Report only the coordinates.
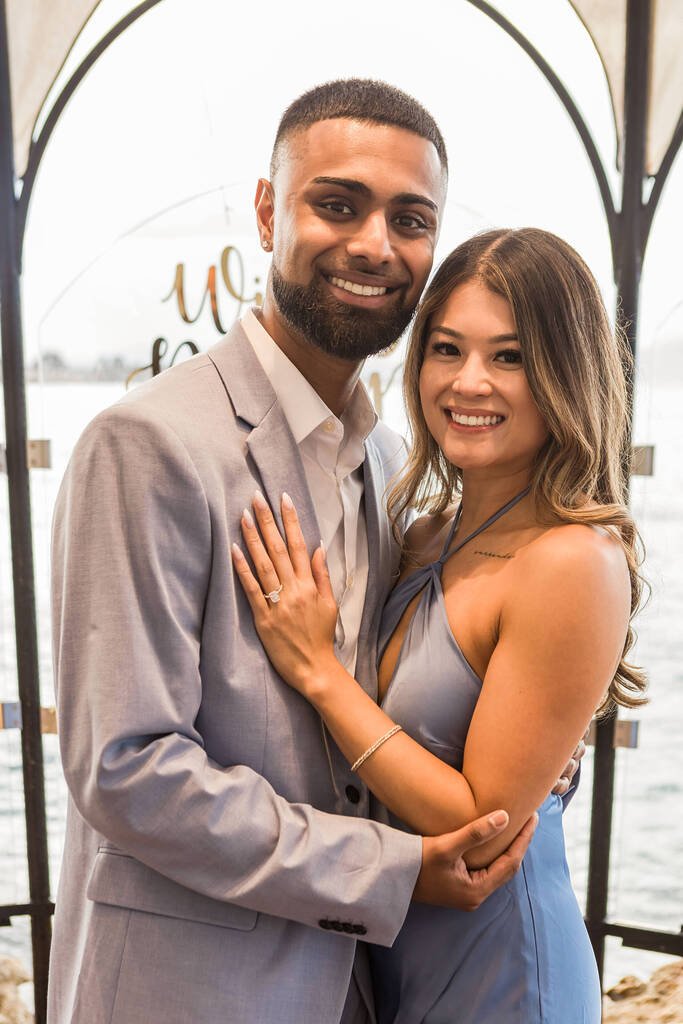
(657, 1001)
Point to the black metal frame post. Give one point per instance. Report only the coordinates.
(22, 547)
(627, 270)
(13, 216)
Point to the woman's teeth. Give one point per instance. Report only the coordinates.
(475, 421)
(357, 289)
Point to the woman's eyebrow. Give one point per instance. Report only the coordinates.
(496, 339)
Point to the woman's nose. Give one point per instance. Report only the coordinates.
(472, 377)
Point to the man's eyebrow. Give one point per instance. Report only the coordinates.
(348, 183)
(495, 340)
(360, 188)
(409, 198)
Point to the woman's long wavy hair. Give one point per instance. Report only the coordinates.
(579, 372)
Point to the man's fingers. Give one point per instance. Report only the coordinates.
(477, 832)
(507, 864)
(561, 786)
(519, 845)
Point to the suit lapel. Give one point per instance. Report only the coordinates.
(270, 442)
(380, 546)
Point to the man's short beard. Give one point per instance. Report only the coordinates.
(339, 329)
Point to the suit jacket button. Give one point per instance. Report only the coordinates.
(324, 923)
(352, 795)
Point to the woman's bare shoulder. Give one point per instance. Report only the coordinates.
(580, 555)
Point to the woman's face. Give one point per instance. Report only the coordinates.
(474, 392)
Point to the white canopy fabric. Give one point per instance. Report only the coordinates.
(606, 23)
(41, 33)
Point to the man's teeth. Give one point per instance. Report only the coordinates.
(357, 289)
(475, 421)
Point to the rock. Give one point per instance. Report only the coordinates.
(13, 1009)
(658, 1001)
(627, 987)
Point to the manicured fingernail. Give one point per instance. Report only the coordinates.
(260, 502)
(287, 501)
(246, 516)
(237, 552)
(322, 548)
(499, 818)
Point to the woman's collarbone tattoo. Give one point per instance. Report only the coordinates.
(492, 554)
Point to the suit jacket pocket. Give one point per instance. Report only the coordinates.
(119, 880)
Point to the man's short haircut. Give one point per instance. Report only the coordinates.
(360, 99)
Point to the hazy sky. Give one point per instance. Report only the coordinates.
(187, 100)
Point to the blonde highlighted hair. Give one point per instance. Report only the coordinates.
(579, 372)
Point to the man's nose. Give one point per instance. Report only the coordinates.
(472, 377)
(371, 239)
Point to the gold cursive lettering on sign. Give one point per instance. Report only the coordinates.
(232, 276)
(159, 350)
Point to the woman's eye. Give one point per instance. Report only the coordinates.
(445, 348)
(510, 356)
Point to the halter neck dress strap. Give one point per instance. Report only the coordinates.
(446, 553)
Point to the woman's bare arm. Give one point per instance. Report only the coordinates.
(560, 638)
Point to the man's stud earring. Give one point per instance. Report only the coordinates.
(265, 243)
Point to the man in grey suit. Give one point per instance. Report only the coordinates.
(219, 864)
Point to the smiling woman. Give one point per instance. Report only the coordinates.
(491, 660)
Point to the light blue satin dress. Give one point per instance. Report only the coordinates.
(524, 956)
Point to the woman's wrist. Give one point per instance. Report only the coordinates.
(323, 681)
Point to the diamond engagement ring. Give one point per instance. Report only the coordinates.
(274, 595)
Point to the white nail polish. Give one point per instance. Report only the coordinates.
(287, 501)
(246, 516)
(260, 501)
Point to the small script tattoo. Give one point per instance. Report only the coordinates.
(492, 554)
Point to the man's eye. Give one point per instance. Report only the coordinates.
(337, 206)
(411, 221)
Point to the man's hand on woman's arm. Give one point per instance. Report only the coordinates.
(445, 879)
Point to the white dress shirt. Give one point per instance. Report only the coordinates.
(332, 450)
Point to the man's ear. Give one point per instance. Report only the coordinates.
(264, 204)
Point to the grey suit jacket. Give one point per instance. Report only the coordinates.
(216, 865)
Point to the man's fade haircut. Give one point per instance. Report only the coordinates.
(359, 99)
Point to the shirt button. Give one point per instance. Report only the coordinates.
(352, 795)
(329, 426)
(350, 580)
